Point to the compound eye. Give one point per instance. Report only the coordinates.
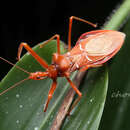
(38, 77)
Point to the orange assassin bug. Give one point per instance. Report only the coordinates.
(91, 50)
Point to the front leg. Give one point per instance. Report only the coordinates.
(51, 91)
(33, 53)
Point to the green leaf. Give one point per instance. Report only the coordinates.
(117, 109)
(88, 112)
(22, 107)
(116, 112)
(83, 117)
(119, 17)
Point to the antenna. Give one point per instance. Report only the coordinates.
(14, 65)
(17, 82)
(14, 86)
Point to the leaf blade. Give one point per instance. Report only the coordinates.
(22, 107)
(85, 116)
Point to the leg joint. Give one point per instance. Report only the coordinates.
(49, 96)
(23, 44)
(80, 95)
(57, 35)
(71, 19)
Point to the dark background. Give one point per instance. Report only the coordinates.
(36, 21)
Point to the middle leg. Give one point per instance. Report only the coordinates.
(58, 42)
